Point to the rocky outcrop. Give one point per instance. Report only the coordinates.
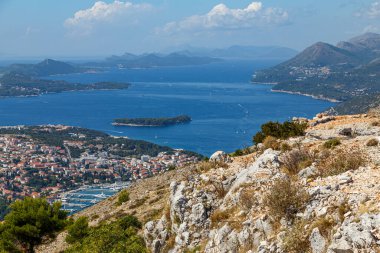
(219, 156)
(223, 209)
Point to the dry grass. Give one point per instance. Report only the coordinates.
(372, 142)
(170, 242)
(285, 147)
(324, 225)
(219, 189)
(220, 216)
(205, 166)
(342, 209)
(286, 199)
(297, 239)
(138, 202)
(247, 199)
(340, 161)
(152, 215)
(272, 142)
(247, 160)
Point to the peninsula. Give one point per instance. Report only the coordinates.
(152, 122)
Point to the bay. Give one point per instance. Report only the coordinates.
(226, 109)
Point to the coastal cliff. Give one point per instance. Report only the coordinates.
(314, 193)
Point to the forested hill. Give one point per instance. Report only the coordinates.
(343, 72)
(45, 68)
(152, 122)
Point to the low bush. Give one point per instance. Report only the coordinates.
(286, 199)
(129, 221)
(280, 130)
(332, 143)
(241, 152)
(296, 160)
(340, 161)
(372, 142)
(172, 167)
(237, 152)
(123, 197)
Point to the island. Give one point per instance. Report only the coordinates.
(152, 122)
(16, 84)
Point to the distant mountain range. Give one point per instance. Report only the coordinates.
(194, 56)
(151, 60)
(243, 52)
(348, 72)
(188, 57)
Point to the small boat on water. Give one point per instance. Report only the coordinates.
(101, 196)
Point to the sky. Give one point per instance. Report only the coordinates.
(90, 29)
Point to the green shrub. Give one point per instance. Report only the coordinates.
(280, 130)
(172, 167)
(332, 143)
(285, 199)
(123, 197)
(78, 230)
(29, 220)
(129, 221)
(118, 236)
(241, 152)
(237, 152)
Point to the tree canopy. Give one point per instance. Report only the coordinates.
(28, 221)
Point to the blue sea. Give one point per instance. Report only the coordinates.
(226, 109)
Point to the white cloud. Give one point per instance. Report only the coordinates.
(372, 11)
(222, 17)
(100, 12)
(372, 29)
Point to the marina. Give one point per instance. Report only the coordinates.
(86, 196)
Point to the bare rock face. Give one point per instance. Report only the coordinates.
(353, 235)
(158, 231)
(266, 166)
(317, 241)
(223, 240)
